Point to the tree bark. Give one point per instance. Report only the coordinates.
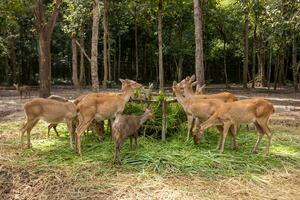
(160, 43)
(254, 55)
(94, 50)
(12, 52)
(224, 61)
(199, 67)
(82, 71)
(136, 51)
(246, 47)
(294, 65)
(105, 40)
(74, 62)
(45, 29)
(119, 56)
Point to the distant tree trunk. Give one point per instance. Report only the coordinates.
(246, 47)
(270, 66)
(145, 76)
(94, 50)
(12, 52)
(105, 40)
(254, 54)
(45, 29)
(294, 65)
(108, 54)
(199, 67)
(82, 71)
(136, 52)
(224, 61)
(179, 71)
(74, 62)
(160, 43)
(119, 55)
(276, 71)
(115, 65)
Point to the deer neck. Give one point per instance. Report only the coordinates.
(180, 98)
(127, 94)
(143, 118)
(188, 91)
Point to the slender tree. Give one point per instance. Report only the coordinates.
(94, 50)
(246, 45)
(199, 67)
(74, 62)
(160, 45)
(44, 27)
(105, 43)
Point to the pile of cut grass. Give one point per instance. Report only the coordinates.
(174, 156)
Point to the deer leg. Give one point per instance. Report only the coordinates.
(135, 140)
(190, 120)
(54, 127)
(117, 159)
(220, 129)
(71, 131)
(233, 131)
(130, 139)
(225, 131)
(29, 128)
(260, 134)
(264, 125)
(79, 130)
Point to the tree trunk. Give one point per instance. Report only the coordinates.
(276, 71)
(82, 71)
(94, 50)
(12, 51)
(45, 29)
(180, 62)
(254, 55)
(108, 54)
(294, 65)
(270, 66)
(105, 40)
(74, 62)
(136, 52)
(119, 56)
(160, 43)
(246, 47)
(224, 61)
(199, 67)
(44, 65)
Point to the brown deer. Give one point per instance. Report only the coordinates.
(201, 110)
(51, 111)
(235, 113)
(25, 89)
(126, 126)
(187, 86)
(102, 106)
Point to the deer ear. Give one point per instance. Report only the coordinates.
(193, 77)
(174, 83)
(122, 80)
(151, 86)
(194, 83)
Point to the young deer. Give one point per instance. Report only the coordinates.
(51, 111)
(102, 106)
(187, 83)
(25, 89)
(126, 126)
(201, 110)
(235, 113)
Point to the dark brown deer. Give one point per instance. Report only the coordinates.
(126, 126)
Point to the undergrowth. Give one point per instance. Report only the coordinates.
(174, 156)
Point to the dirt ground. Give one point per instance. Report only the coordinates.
(287, 103)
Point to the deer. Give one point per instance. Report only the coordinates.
(257, 111)
(23, 89)
(187, 83)
(102, 106)
(201, 110)
(51, 111)
(126, 126)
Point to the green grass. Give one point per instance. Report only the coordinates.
(174, 156)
